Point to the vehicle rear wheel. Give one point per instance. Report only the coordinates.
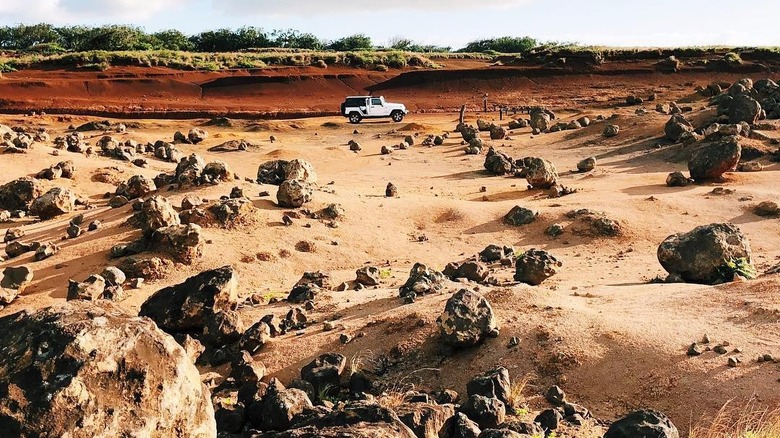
(355, 118)
(397, 116)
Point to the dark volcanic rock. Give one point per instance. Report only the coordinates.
(707, 254)
(643, 423)
(94, 364)
(188, 305)
(467, 319)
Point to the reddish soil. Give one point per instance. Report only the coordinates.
(287, 92)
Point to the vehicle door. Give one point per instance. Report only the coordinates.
(377, 108)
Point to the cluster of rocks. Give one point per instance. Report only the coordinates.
(593, 223)
(477, 268)
(163, 231)
(295, 179)
(76, 344)
(194, 136)
(20, 139)
(108, 285)
(63, 169)
(422, 281)
(25, 196)
(194, 171)
(201, 314)
(745, 100)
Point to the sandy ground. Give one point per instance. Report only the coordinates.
(610, 338)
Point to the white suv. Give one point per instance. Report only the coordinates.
(357, 108)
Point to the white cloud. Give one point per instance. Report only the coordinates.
(312, 7)
(81, 11)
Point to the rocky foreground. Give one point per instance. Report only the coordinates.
(190, 361)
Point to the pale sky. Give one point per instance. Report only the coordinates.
(441, 22)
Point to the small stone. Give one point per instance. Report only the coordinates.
(733, 362)
(694, 350)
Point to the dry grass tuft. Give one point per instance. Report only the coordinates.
(750, 421)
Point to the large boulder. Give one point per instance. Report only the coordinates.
(197, 135)
(188, 306)
(183, 242)
(520, 216)
(424, 419)
(467, 319)
(535, 265)
(136, 187)
(272, 172)
(190, 170)
(713, 160)
(744, 109)
(89, 369)
(217, 171)
(422, 280)
(676, 126)
(643, 423)
(540, 173)
(13, 283)
(293, 193)
(90, 289)
(494, 384)
(324, 373)
(19, 194)
(498, 163)
(460, 426)
(280, 405)
(540, 120)
(300, 170)
(156, 212)
(485, 411)
(53, 203)
(708, 254)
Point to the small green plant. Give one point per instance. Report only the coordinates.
(268, 296)
(328, 393)
(740, 266)
(385, 273)
(732, 58)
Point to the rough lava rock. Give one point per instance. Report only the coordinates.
(19, 194)
(467, 319)
(715, 159)
(293, 193)
(703, 254)
(13, 283)
(98, 372)
(676, 126)
(53, 203)
(188, 305)
(535, 265)
(643, 423)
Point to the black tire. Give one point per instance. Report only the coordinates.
(397, 116)
(355, 118)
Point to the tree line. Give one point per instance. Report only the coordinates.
(47, 38)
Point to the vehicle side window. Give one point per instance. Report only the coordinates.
(376, 102)
(356, 102)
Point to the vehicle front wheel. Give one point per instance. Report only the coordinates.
(397, 116)
(355, 118)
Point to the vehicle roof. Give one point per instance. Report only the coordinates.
(361, 97)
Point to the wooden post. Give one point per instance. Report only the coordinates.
(500, 113)
(462, 117)
(484, 103)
